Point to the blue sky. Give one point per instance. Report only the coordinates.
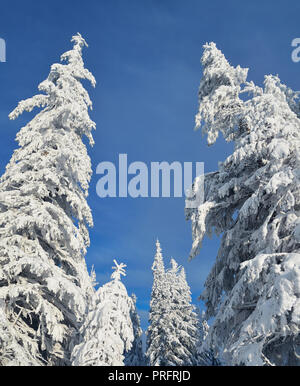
(145, 55)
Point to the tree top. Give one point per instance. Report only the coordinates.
(119, 270)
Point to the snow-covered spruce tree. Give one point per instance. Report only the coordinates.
(172, 335)
(181, 321)
(43, 221)
(135, 356)
(107, 331)
(158, 306)
(253, 289)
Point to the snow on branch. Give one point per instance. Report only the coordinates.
(119, 270)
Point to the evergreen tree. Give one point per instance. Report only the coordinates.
(181, 321)
(253, 200)
(43, 221)
(107, 331)
(158, 307)
(172, 335)
(135, 356)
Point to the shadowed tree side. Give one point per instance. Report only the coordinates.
(135, 356)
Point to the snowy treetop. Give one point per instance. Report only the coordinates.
(63, 91)
(158, 264)
(119, 270)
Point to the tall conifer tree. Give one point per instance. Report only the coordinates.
(253, 201)
(158, 305)
(44, 217)
(173, 332)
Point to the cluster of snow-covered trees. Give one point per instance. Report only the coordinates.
(253, 201)
(50, 312)
(177, 331)
(111, 334)
(173, 332)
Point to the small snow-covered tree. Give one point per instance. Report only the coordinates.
(43, 221)
(172, 335)
(135, 356)
(253, 201)
(181, 321)
(158, 307)
(107, 331)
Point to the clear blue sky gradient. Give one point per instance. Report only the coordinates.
(145, 55)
